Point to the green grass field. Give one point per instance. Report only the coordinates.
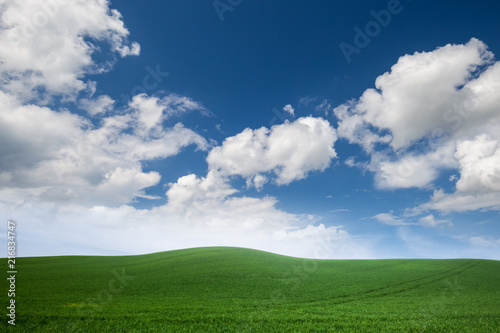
(240, 290)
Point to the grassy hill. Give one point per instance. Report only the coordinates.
(240, 290)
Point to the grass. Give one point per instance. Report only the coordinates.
(240, 290)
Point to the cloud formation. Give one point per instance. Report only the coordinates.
(97, 106)
(73, 161)
(289, 109)
(286, 152)
(428, 221)
(433, 111)
(46, 47)
(79, 176)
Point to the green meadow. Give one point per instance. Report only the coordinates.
(223, 289)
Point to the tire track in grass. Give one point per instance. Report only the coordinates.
(423, 284)
(349, 298)
(427, 277)
(413, 287)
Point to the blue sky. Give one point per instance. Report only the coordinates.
(362, 129)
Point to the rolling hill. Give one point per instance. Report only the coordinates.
(221, 289)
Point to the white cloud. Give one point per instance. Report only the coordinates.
(73, 161)
(430, 221)
(49, 44)
(19, 124)
(123, 185)
(479, 164)
(479, 184)
(461, 202)
(480, 241)
(100, 105)
(150, 112)
(289, 109)
(177, 104)
(411, 99)
(258, 182)
(190, 192)
(289, 150)
(209, 201)
(433, 111)
(390, 219)
(412, 169)
(355, 129)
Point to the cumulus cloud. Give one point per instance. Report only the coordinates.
(479, 161)
(190, 191)
(478, 186)
(433, 111)
(289, 109)
(290, 151)
(258, 182)
(410, 100)
(99, 105)
(47, 46)
(411, 169)
(73, 160)
(152, 111)
(123, 184)
(355, 129)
